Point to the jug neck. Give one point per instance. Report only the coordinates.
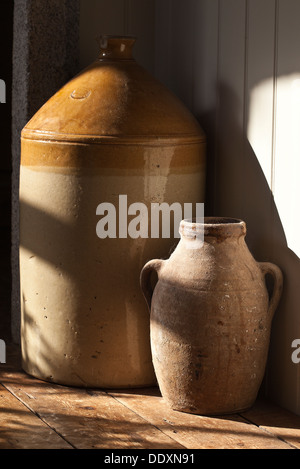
(116, 47)
(212, 229)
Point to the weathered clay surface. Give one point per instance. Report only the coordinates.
(210, 319)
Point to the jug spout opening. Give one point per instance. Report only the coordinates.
(116, 47)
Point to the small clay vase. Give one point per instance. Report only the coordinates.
(210, 318)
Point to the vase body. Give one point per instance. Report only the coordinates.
(210, 319)
(111, 131)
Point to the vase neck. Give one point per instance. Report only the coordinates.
(116, 47)
(219, 228)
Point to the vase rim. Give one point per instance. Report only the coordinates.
(221, 227)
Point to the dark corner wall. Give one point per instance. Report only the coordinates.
(6, 40)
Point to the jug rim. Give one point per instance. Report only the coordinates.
(115, 47)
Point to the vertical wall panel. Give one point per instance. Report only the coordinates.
(175, 46)
(182, 52)
(184, 30)
(258, 205)
(231, 89)
(163, 40)
(140, 23)
(187, 62)
(206, 35)
(261, 81)
(205, 86)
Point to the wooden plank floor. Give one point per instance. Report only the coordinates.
(39, 415)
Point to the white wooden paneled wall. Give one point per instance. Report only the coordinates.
(236, 65)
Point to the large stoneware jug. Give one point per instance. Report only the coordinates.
(95, 158)
(210, 318)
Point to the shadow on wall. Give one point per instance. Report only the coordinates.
(237, 187)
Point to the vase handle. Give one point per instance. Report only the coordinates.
(145, 278)
(274, 270)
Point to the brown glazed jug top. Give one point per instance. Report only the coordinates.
(114, 100)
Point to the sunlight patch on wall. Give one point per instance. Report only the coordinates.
(260, 125)
(274, 134)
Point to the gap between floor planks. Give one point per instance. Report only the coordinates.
(35, 414)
